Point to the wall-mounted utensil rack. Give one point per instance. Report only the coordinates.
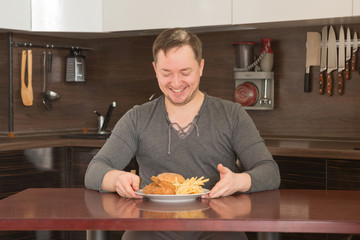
(36, 45)
(12, 44)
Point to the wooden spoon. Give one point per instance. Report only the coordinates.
(27, 94)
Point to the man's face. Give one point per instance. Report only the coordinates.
(178, 74)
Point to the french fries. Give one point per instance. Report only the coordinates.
(190, 186)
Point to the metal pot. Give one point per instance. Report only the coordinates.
(244, 52)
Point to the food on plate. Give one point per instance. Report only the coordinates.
(163, 184)
(173, 183)
(190, 186)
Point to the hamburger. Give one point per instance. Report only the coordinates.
(164, 183)
(170, 177)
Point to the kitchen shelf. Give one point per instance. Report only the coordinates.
(262, 80)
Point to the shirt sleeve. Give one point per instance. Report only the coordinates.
(116, 153)
(253, 153)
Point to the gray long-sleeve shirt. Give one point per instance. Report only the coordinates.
(222, 132)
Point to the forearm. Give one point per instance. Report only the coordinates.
(261, 167)
(243, 182)
(265, 177)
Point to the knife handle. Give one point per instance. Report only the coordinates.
(329, 84)
(347, 70)
(307, 82)
(353, 61)
(321, 83)
(340, 83)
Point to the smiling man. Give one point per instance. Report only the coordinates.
(184, 131)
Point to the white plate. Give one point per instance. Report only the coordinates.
(172, 198)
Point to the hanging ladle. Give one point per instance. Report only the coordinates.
(51, 95)
(47, 96)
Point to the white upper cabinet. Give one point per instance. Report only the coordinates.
(123, 15)
(15, 14)
(356, 7)
(261, 11)
(67, 15)
(132, 15)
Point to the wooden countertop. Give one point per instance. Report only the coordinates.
(19, 143)
(278, 146)
(314, 148)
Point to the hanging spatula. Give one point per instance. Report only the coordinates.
(27, 95)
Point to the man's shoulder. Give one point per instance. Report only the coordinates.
(145, 109)
(223, 103)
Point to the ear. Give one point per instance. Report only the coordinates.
(154, 66)
(202, 63)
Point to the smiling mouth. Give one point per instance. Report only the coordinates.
(177, 90)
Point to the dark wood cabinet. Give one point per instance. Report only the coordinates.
(22, 169)
(343, 174)
(302, 173)
(318, 173)
(31, 168)
(78, 159)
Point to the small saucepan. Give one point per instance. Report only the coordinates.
(246, 94)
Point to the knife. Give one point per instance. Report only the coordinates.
(341, 60)
(332, 60)
(312, 56)
(323, 59)
(348, 54)
(355, 48)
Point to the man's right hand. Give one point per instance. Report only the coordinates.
(124, 183)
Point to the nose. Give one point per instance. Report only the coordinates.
(176, 81)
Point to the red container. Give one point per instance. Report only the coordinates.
(246, 94)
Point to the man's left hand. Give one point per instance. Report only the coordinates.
(229, 183)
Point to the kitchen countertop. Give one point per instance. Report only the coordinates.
(19, 143)
(314, 148)
(278, 146)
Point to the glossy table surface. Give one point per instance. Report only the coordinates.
(320, 211)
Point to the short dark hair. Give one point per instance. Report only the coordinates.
(177, 37)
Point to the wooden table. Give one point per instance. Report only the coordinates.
(305, 211)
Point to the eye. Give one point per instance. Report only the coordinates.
(185, 73)
(166, 74)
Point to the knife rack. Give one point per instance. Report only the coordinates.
(337, 43)
(263, 81)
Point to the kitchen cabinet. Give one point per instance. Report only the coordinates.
(31, 168)
(66, 16)
(125, 15)
(356, 7)
(78, 161)
(260, 11)
(15, 14)
(318, 173)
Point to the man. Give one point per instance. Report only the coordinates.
(184, 131)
